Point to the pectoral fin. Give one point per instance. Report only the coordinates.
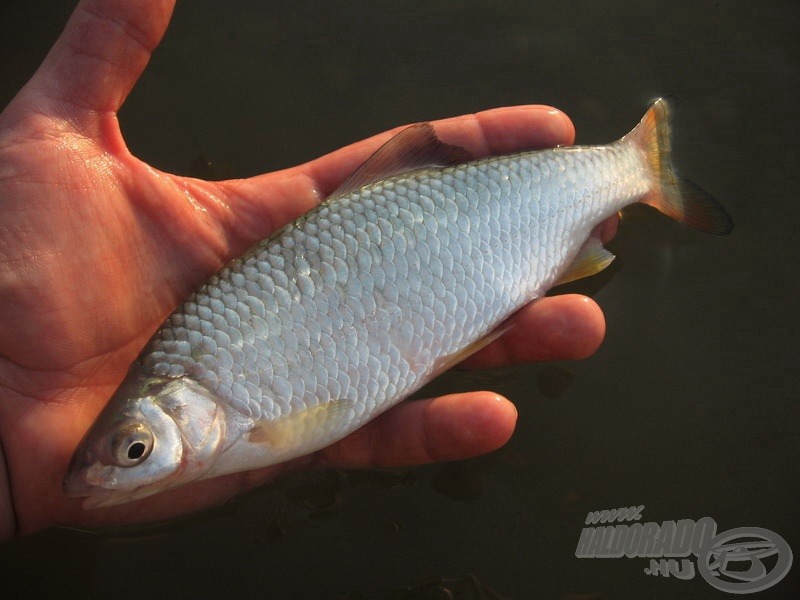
(300, 425)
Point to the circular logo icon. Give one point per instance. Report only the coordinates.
(745, 560)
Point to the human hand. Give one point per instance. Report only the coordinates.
(97, 248)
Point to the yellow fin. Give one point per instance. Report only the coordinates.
(591, 259)
(447, 362)
(299, 425)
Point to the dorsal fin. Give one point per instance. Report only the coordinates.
(413, 148)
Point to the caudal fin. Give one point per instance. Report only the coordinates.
(674, 196)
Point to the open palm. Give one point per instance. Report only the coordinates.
(96, 248)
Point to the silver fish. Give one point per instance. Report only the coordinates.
(414, 264)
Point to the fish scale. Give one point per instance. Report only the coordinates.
(477, 242)
(418, 262)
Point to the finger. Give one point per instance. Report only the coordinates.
(100, 55)
(446, 428)
(607, 229)
(277, 198)
(554, 328)
(508, 129)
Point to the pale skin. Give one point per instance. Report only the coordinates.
(97, 248)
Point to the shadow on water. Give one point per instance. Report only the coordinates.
(690, 406)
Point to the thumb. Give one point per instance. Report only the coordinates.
(96, 61)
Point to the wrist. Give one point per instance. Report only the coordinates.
(8, 522)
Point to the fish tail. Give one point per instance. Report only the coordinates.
(672, 195)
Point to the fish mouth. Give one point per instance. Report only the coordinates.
(99, 498)
(75, 483)
(78, 483)
(76, 486)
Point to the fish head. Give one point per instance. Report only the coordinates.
(155, 434)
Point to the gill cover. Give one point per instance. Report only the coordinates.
(155, 433)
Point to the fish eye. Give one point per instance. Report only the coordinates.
(131, 444)
(136, 450)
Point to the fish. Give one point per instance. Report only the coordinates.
(415, 263)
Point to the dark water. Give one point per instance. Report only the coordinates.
(690, 408)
